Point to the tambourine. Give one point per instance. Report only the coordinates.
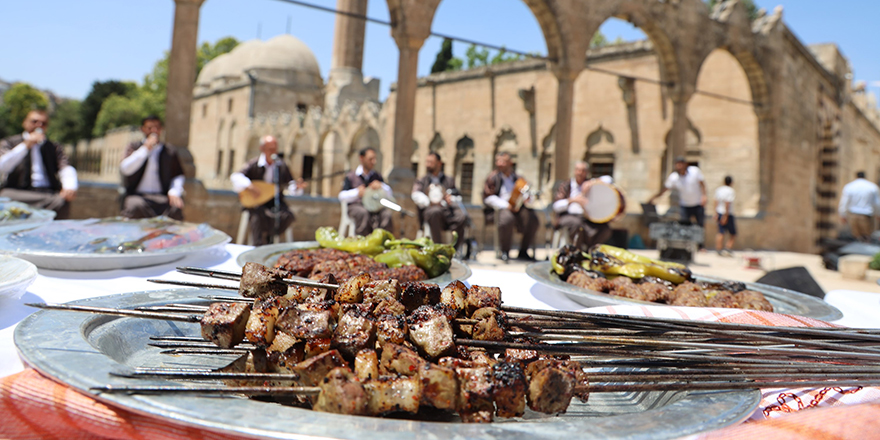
(605, 202)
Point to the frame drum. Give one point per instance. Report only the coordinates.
(603, 202)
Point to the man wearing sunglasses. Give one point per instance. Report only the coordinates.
(36, 169)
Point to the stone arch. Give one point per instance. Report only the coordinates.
(333, 163)
(463, 168)
(637, 13)
(366, 136)
(506, 142)
(600, 152)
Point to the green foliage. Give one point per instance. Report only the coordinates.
(598, 40)
(751, 8)
(208, 51)
(444, 56)
(119, 111)
(20, 99)
(503, 57)
(875, 263)
(100, 92)
(66, 124)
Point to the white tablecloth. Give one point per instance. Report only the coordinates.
(860, 309)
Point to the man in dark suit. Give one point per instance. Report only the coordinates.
(353, 187)
(436, 207)
(152, 175)
(496, 195)
(37, 171)
(264, 168)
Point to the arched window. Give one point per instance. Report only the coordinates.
(600, 152)
(464, 167)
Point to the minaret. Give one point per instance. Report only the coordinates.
(346, 81)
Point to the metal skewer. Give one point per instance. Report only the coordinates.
(211, 273)
(118, 312)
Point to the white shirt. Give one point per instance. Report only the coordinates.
(351, 195)
(563, 205)
(11, 159)
(688, 186)
(502, 200)
(240, 181)
(421, 199)
(860, 196)
(150, 183)
(723, 195)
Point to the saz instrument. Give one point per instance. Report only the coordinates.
(520, 193)
(604, 202)
(265, 192)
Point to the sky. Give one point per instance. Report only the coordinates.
(65, 45)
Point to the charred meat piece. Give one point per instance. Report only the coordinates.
(509, 390)
(389, 307)
(355, 331)
(366, 364)
(519, 355)
(261, 324)
(224, 323)
(313, 370)
(749, 299)
(258, 281)
(723, 299)
(654, 292)
(621, 281)
(454, 296)
(403, 274)
(307, 321)
(415, 294)
(399, 394)
(730, 286)
(254, 362)
(401, 360)
(479, 297)
(342, 393)
(585, 281)
(481, 358)
(352, 290)
(301, 262)
(285, 352)
(550, 387)
(475, 394)
(376, 291)
(688, 294)
(491, 325)
(439, 386)
(630, 291)
(430, 330)
(391, 329)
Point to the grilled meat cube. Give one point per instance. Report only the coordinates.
(622, 281)
(342, 393)
(313, 370)
(352, 291)
(584, 280)
(454, 362)
(376, 291)
(258, 281)
(416, 294)
(481, 358)
(509, 391)
(224, 323)
(480, 296)
(551, 389)
(253, 362)
(749, 299)
(260, 327)
(355, 331)
(397, 394)
(519, 355)
(431, 331)
(485, 415)
(366, 364)
(491, 325)
(314, 347)
(475, 391)
(390, 329)
(389, 307)
(307, 321)
(301, 262)
(454, 295)
(285, 352)
(629, 290)
(723, 299)
(297, 293)
(654, 292)
(439, 386)
(399, 359)
(690, 298)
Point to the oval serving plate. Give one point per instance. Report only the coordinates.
(37, 217)
(81, 349)
(784, 301)
(15, 276)
(267, 256)
(83, 260)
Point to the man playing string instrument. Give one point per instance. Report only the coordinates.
(432, 195)
(569, 202)
(500, 186)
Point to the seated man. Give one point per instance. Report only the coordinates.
(152, 176)
(435, 204)
(497, 194)
(568, 203)
(36, 169)
(353, 187)
(261, 221)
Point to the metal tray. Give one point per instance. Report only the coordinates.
(267, 255)
(38, 217)
(81, 349)
(89, 261)
(784, 301)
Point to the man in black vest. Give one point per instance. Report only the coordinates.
(436, 207)
(36, 169)
(152, 176)
(353, 187)
(263, 168)
(497, 196)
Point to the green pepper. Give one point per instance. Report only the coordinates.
(615, 261)
(434, 259)
(372, 244)
(396, 257)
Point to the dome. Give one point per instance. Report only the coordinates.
(284, 52)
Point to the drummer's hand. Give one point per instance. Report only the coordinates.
(302, 184)
(361, 190)
(581, 200)
(448, 199)
(175, 201)
(252, 190)
(68, 194)
(375, 184)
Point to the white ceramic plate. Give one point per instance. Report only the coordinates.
(15, 276)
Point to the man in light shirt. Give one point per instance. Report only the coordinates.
(37, 171)
(724, 198)
(263, 168)
(152, 176)
(436, 207)
(688, 180)
(859, 204)
(496, 195)
(569, 203)
(353, 187)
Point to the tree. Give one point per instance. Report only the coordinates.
(476, 57)
(208, 52)
(119, 111)
(749, 4)
(19, 100)
(444, 56)
(598, 40)
(503, 57)
(100, 92)
(66, 126)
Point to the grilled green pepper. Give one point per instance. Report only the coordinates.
(433, 258)
(615, 261)
(372, 244)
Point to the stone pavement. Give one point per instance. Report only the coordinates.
(734, 268)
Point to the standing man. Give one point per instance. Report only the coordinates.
(353, 187)
(569, 202)
(36, 169)
(263, 168)
(497, 193)
(436, 207)
(859, 204)
(724, 197)
(152, 175)
(688, 180)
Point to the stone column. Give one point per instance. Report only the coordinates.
(401, 177)
(346, 80)
(182, 78)
(678, 132)
(564, 102)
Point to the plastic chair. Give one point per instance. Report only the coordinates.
(242, 237)
(346, 224)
